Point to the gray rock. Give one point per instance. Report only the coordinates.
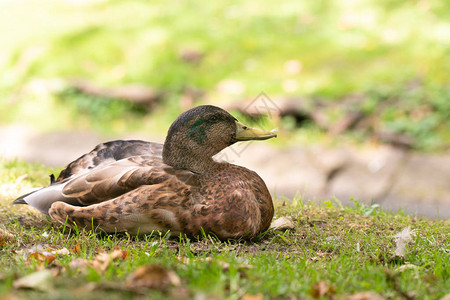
(368, 175)
(422, 186)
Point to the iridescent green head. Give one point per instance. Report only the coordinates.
(201, 132)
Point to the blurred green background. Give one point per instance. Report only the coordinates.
(391, 58)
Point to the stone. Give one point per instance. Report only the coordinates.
(422, 186)
(367, 176)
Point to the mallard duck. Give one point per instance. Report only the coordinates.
(141, 187)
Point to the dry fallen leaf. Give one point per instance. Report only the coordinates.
(5, 237)
(321, 289)
(282, 223)
(77, 249)
(41, 280)
(366, 296)
(152, 277)
(44, 257)
(101, 261)
(119, 254)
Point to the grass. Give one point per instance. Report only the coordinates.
(393, 53)
(333, 252)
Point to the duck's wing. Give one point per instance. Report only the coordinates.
(170, 205)
(104, 182)
(109, 181)
(107, 153)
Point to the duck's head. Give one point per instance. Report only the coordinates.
(201, 132)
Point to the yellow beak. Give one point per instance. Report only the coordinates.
(245, 133)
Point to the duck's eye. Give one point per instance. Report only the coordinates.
(213, 118)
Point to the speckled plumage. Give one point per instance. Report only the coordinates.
(125, 186)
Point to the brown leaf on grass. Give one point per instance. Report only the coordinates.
(77, 249)
(101, 261)
(119, 254)
(321, 289)
(366, 296)
(5, 237)
(152, 277)
(43, 257)
(41, 280)
(282, 223)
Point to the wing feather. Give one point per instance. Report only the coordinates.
(107, 182)
(110, 181)
(110, 152)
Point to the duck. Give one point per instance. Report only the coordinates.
(141, 187)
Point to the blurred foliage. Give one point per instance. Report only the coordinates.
(100, 110)
(395, 53)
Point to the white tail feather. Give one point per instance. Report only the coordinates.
(43, 199)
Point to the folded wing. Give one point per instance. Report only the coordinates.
(106, 182)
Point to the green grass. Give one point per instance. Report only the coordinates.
(394, 53)
(350, 249)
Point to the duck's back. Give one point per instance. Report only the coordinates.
(107, 153)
